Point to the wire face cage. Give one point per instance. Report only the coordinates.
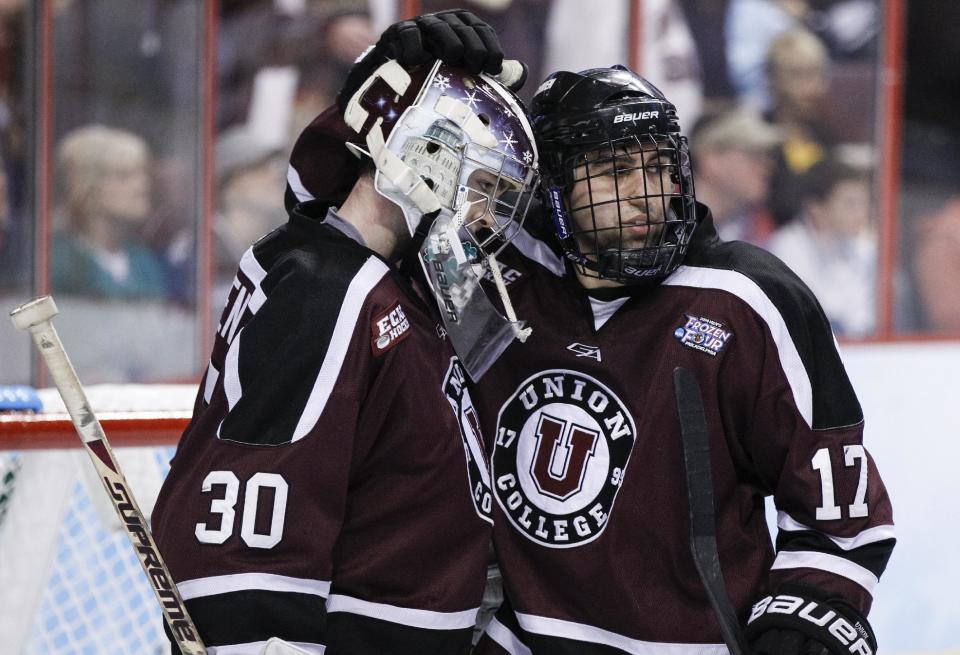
(629, 206)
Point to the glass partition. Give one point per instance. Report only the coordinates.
(105, 121)
(124, 159)
(18, 163)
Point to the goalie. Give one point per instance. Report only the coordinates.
(332, 489)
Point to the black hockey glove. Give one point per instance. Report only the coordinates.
(456, 37)
(797, 624)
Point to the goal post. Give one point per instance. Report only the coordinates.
(69, 580)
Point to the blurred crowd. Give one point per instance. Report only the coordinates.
(778, 98)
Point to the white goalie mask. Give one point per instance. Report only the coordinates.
(458, 147)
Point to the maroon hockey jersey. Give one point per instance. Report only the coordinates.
(591, 513)
(331, 489)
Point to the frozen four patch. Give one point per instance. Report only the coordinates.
(703, 334)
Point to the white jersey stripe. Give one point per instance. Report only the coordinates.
(878, 533)
(256, 648)
(750, 292)
(403, 615)
(365, 280)
(296, 185)
(232, 388)
(253, 270)
(592, 635)
(789, 559)
(501, 634)
(223, 584)
(231, 374)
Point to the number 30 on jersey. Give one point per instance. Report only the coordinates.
(225, 507)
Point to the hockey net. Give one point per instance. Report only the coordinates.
(70, 582)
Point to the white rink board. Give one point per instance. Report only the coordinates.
(911, 400)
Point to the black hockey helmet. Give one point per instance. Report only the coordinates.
(616, 173)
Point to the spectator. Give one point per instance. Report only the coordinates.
(797, 73)
(847, 27)
(937, 266)
(106, 203)
(733, 158)
(251, 177)
(832, 245)
(750, 27)
(669, 53)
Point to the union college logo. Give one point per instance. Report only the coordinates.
(563, 441)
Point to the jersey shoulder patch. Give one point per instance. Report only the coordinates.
(781, 298)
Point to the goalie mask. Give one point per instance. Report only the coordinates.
(456, 153)
(616, 173)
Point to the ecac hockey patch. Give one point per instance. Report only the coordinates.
(703, 334)
(389, 329)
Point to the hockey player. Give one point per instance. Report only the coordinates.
(587, 469)
(332, 489)
(591, 527)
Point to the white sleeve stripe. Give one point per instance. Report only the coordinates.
(750, 292)
(788, 559)
(231, 373)
(296, 185)
(232, 388)
(253, 270)
(502, 636)
(363, 282)
(581, 632)
(403, 615)
(256, 648)
(871, 535)
(223, 584)
(534, 249)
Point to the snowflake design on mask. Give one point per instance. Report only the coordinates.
(442, 82)
(509, 141)
(527, 157)
(471, 100)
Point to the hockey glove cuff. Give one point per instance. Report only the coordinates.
(455, 37)
(792, 623)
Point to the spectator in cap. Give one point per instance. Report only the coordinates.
(251, 175)
(251, 178)
(733, 159)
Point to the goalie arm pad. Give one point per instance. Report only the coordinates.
(787, 622)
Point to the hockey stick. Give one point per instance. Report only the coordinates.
(35, 316)
(703, 528)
